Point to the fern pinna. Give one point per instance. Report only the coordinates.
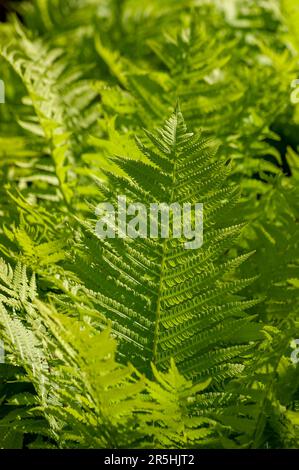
(164, 300)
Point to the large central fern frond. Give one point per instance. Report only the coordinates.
(164, 300)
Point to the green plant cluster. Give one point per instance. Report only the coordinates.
(121, 343)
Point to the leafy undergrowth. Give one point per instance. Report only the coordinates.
(141, 343)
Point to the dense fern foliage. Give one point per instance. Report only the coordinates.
(123, 342)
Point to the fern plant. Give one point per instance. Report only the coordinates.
(81, 397)
(163, 300)
(140, 342)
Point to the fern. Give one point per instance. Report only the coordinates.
(209, 332)
(165, 301)
(83, 398)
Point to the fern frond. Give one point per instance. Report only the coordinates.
(163, 300)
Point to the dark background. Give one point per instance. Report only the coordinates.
(6, 6)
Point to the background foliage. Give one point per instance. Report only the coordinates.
(115, 344)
